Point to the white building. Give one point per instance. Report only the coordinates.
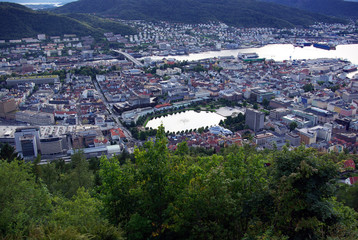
(27, 142)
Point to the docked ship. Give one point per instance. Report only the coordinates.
(350, 68)
(302, 44)
(250, 57)
(325, 46)
(247, 55)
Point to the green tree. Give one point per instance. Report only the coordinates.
(265, 102)
(215, 201)
(335, 88)
(255, 106)
(138, 195)
(304, 207)
(23, 202)
(293, 125)
(51, 176)
(117, 180)
(233, 195)
(308, 87)
(152, 164)
(199, 68)
(349, 195)
(78, 176)
(8, 153)
(182, 149)
(36, 167)
(83, 213)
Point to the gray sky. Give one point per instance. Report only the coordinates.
(37, 1)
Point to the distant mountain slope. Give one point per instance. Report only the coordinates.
(247, 13)
(339, 8)
(18, 21)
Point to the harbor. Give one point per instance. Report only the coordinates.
(278, 52)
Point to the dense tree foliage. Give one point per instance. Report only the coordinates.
(265, 103)
(7, 152)
(22, 201)
(227, 196)
(308, 87)
(303, 195)
(292, 126)
(59, 206)
(239, 193)
(234, 123)
(328, 7)
(349, 195)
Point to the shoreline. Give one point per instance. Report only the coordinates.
(277, 52)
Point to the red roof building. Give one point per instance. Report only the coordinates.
(349, 164)
(162, 105)
(351, 180)
(117, 133)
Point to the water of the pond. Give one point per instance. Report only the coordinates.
(186, 121)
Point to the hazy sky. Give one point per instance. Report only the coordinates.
(66, 1)
(37, 1)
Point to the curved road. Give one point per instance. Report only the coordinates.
(113, 115)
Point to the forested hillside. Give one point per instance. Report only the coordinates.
(239, 193)
(339, 8)
(242, 13)
(18, 21)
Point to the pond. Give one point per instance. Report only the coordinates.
(186, 121)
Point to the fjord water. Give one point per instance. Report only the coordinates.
(280, 52)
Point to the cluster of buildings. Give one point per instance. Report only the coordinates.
(47, 53)
(324, 117)
(60, 141)
(166, 38)
(311, 102)
(207, 140)
(62, 115)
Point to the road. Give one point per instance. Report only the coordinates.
(135, 61)
(109, 107)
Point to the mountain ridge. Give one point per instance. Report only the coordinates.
(241, 13)
(19, 21)
(339, 8)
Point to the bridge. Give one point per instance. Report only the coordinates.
(129, 57)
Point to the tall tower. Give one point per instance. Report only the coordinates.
(254, 119)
